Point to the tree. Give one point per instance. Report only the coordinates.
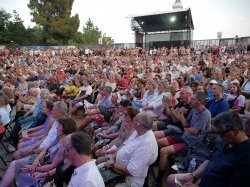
(54, 16)
(91, 33)
(17, 32)
(4, 20)
(107, 40)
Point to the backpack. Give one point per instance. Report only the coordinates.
(201, 151)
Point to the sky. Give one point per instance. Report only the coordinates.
(231, 17)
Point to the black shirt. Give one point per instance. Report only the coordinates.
(228, 167)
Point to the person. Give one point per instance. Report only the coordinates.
(59, 110)
(25, 171)
(196, 126)
(235, 100)
(83, 94)
(173, 118)
(229, 166)
(245, 88)
(77, 148)
(37, 133)
(137, 154)
(218, 104)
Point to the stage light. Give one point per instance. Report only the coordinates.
(172, 18)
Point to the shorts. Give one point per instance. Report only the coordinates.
(162, 126)
(176, 142)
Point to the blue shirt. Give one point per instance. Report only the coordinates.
(216, 107)
(228, 167)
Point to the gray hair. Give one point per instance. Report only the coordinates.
(145, 119)
(37, 90)
(188, 89)
(61, 107)
(45, 92)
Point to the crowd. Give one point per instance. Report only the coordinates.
(139, 109)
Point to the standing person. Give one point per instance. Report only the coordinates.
(78, 150)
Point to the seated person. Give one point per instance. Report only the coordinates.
(68, 92)
(218, 104)
(149, 97)
(156, 107)
(235, 100)
(4, 114)
(78, 101)
(135, 155)
(25, 171)
(172, 124)
(33, 135)
(195, 126)
(229, 165)
(59, 111)
(124, 133)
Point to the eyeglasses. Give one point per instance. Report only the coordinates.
(222, 133)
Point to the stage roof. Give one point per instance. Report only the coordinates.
(166, 21)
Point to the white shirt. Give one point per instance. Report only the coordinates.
(246, 86)
(51, 136)
(87, 175)
(240, 101)
(88, 90)
(5, 118)
(138, 153)
(149, 98)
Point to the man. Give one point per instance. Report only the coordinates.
(195, 126)
(218, 104)
(162, 129)
(77, 147)
(230, 164)
(137, 153)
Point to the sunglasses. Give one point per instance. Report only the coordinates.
(225, 131)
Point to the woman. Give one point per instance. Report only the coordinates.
(235, 100)
(32, 135)
(149, 97)
(105, 136)
(24, 171)
(125, 132)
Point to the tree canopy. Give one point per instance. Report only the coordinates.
(54, 26)
(54, 16)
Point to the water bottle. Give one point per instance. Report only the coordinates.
(192, 165)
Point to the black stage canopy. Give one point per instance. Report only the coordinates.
(168, 21)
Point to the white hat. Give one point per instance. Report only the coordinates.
(213, 82)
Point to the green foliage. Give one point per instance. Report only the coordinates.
(4, 20)
(54, 16)
(57, 29)
(91, 33)
(107, 40)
